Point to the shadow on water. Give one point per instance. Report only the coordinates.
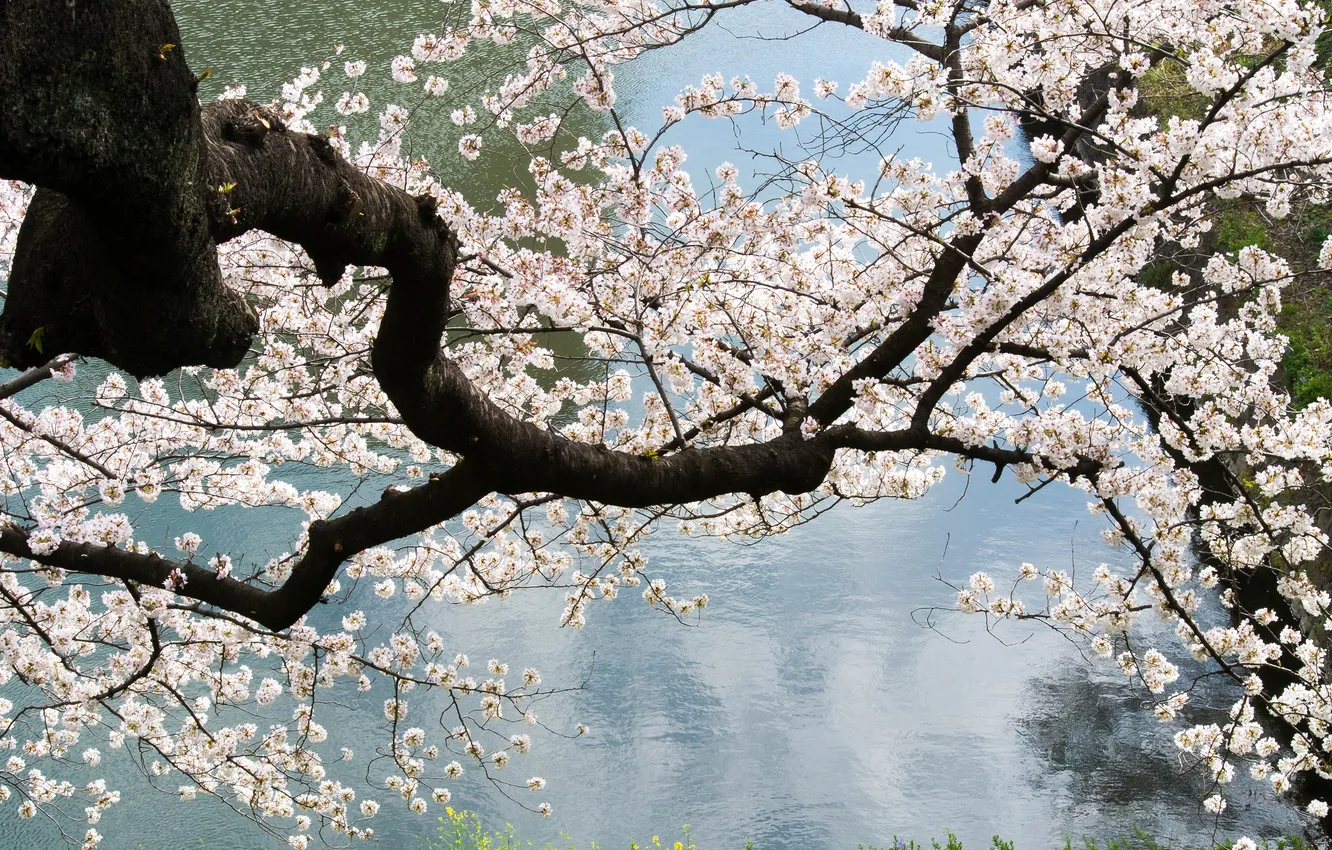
(1097, 754)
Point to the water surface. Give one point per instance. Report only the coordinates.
(811, 708)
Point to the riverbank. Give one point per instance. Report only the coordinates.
(1306, 317)
(1305, 371)
(464, 830)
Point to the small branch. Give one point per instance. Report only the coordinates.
(331, 543)
(60, 445)
(33, 376)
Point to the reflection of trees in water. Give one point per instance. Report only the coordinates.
(263, 57)
(1098, 752)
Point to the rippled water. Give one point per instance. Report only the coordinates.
(811, 708)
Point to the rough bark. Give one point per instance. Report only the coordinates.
(117, 258)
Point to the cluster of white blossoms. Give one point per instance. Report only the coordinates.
(716, 317)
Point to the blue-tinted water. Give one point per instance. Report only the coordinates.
(811, 708)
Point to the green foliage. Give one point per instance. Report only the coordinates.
(1323, 46)
(1308, 362)
(463, 830)
(1164, 92)
(1314, 223)
(1239, 228)
(1306, 316)
(1158, 274)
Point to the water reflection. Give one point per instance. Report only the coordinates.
(264, 43)
(1095, 764)
(808, 709)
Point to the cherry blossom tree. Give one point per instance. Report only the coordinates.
(758, 355)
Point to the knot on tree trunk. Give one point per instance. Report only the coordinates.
(252, 127)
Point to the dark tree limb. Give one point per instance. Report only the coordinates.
(400, 514)
(331, 543)
(294, 186)
(135, 289)
(138, 285)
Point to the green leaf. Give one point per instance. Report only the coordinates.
(35, 341)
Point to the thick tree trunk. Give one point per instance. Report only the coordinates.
(117, 257)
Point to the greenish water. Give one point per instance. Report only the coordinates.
(810, 709)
